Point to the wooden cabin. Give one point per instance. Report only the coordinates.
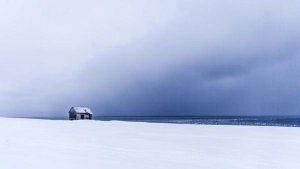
(80, 113)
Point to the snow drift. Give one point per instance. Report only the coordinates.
(35, 144)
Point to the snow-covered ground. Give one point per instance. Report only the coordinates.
(42, 144)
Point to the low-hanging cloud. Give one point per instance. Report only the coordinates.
(150, 58)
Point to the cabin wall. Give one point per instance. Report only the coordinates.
(78, 116)
(85, 116)
(72, 116)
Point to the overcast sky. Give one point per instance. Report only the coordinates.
(158, 57)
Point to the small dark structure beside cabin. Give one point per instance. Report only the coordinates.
(80, 113)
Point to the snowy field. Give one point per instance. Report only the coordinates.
(43, 144)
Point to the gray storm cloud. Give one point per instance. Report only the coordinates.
(150, 58)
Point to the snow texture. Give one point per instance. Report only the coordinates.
(59, 144)
(82, 110)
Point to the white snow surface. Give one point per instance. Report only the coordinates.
(59, 144)
(82, 110)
